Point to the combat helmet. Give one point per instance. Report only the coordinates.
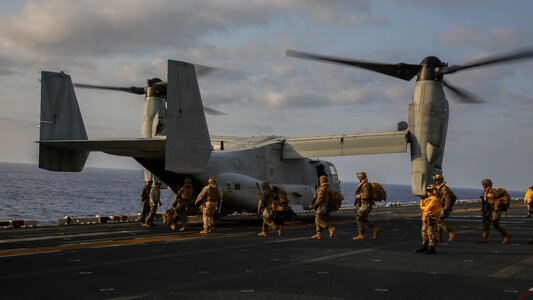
(438, 177)
(211, 179)
(265, 185)
(188, 180)
(361, 175)
(323, 179)
(486, 182)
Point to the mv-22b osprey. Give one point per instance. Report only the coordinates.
(176, 144)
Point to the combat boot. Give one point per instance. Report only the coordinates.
(210, 229)
(424, 248)
(360, 237)
(204, 231)
(317, 236)
(173, 227)
(331, 230)
(376, 230)
(280, 230)
(506, 239)
(483, 238)
(452, 236)
(262, 233)
(430, 250)
(182, 227)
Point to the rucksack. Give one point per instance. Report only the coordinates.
(335, 201)
(504, 200)
(453, 198)
(378, 192)
(169, 216)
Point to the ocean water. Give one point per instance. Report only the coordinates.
(30, 193)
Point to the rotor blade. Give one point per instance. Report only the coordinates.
(211, 111)
(132, 89)
(202, 70)
(463, 95)
(401, 70)
(518, 55)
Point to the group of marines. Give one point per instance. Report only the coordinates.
(436, 206)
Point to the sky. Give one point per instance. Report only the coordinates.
(263, 92)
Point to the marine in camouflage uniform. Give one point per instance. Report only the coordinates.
(320, 204)
(145, 200)
(491, 213)
(266, 208)
(184, 199)
(444, 194)
(210, 196)
(283, 213)
(364, 201)
(155, 199)
(431, 211)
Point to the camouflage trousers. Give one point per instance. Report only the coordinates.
(182, 216)
(530, 208)
(146, 210)
(492, 218)
(440, 221)
(208, 212)
(320, 218)
(429, 231)
(151, 215)
(268, 220)
(362, 216)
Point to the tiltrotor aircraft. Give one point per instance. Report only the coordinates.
(176, 144)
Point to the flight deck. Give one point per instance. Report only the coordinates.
(127, 261)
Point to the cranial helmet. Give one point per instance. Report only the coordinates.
(323, 179)
(486, 182)
(148, 180)
(361, 175)
(430, 188)
(188, 180)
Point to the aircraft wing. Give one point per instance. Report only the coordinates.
(153, 148)
(346, 144)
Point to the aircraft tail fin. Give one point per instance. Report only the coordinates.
(60, 120)
(188, 145)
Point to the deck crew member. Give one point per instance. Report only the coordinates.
(155, 199)
(211, 195)
(266, 208)
(184, 199)
(528, 199)
(446, 198)
(364, 201)
(145, 200)
(491, 213)
(320, 205)
(431, 212)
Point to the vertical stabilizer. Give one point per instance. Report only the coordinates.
(188, 145)
(60, 120)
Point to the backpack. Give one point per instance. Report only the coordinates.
(378, 192)
(503, 198)
(453, 198)
(169, 216)
(335, 201)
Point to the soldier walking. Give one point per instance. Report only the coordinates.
(210, 196)
(184, 199)
(431, 211)
(320, 205)
(145, 200)
(364, 201)
(528, 199)
(447, 199)
(155, 195)
(491, 212)
(266, 208)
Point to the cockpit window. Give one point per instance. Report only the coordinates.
(333, 173)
